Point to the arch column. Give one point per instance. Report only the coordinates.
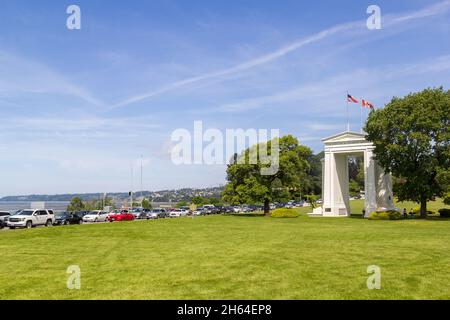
(370, 188)
(335, 185)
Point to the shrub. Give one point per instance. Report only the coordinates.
(417, 211)
(385, 215)
(284, 213)
(246, 214)
(444, 213)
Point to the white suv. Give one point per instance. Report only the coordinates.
(31, 218)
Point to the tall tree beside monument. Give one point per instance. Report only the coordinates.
(411, 138)
(246, 184)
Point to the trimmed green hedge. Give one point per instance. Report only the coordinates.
(245, 214)
(385, 215)
(444, 213)
(284, 213)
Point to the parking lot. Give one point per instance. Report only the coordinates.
(31, 218)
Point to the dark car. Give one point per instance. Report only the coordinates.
(228, 209)
(220, 209)
(81, 214)
(65, 218)
(4, 216)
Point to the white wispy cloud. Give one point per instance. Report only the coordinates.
(244, 66)
(432, 10)
(365, 77)
(85, 128)
(19, 75)
(82, 124)
(388, 21)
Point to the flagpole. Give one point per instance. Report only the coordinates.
(361, 119)
(366, 113)
(348, 122)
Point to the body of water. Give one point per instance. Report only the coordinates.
(56, 205)
(18, 205)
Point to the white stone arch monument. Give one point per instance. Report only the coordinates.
(335, 178)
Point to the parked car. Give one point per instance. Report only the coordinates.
(31, 218)
(137, 213)
(228, 209)
(120, 215)
(4, 216)
(299, 203)
(209, 208)
(199, 212)
(142, 214)
(82, 213)
(178, 213)
(186, 208)
(159, 213)
(96, 216)
(152, 215)
(174, 214)
(64, 218)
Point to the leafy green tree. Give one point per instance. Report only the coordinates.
(98, 204)
(354, 188)
(76, 204)
(356, 173)
(197, 200)
(136, 204)
(146, 204)
(91, 205)
(360, 176)
(214, 201)
(411, 138)
(447, 199)
(182, 204)
(246, 184)
(443, 177)
(315, 175)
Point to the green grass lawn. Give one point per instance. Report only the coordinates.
(229, 257)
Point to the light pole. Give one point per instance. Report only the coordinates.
(131, 190)
(142, 159)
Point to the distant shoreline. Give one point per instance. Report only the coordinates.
(159, 196)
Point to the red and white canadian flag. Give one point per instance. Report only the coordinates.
(367, 104)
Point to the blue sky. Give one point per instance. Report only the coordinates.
(79, 107)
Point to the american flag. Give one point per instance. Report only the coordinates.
(351, 99)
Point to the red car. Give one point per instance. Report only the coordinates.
(120, 215)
